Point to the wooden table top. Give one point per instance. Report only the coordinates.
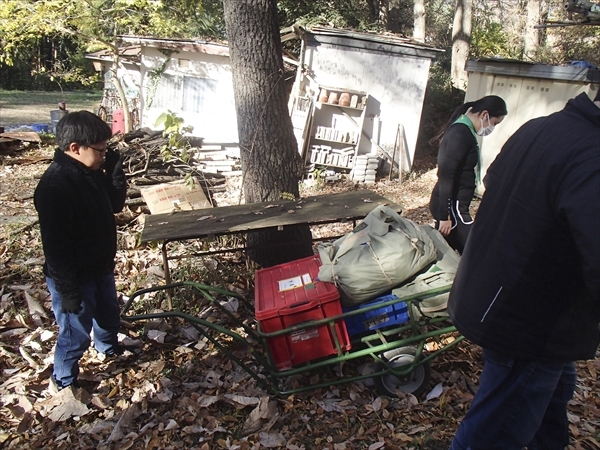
(223, 220)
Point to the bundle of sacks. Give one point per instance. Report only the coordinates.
(386, 253)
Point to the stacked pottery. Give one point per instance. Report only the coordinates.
(345, 99)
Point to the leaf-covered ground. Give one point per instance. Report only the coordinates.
(175, 389)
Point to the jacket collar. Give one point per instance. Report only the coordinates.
(466, 121)
(583, 105)
(65, 160)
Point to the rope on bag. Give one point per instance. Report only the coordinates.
(387, 278)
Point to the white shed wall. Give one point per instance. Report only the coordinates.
(526, 98)
(198, 87)
(396, 82)
(129, 75)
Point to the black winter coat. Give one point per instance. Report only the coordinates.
(528, 284)
(75, 206)
(457, 157)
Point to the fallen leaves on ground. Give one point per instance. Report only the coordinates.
(177, 389)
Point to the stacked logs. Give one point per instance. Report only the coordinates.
(146, 163)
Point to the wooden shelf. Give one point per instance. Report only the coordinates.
(340, 89)
(334, 120)
(340, 106)
(331, 165)
(350, 144)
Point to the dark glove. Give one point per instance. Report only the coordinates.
(71, 305)
(113, 163)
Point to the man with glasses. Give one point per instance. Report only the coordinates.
(76, 199)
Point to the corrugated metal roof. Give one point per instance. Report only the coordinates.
(131, 53)
(190, 45)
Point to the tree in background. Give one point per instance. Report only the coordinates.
(270, 161)
(531, 35)
(93, 25)
(34, 55)
(461, 42)
(419, 21)
(356, 14)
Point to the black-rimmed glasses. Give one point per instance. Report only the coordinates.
(99, 150)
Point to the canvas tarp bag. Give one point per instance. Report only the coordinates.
(440, 274)
(383, 251)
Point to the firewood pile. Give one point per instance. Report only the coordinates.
(146, 164)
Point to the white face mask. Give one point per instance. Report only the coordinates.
(486, 131)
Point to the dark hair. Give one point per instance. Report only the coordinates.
(597, 98)
(493, 104)
(83, 128)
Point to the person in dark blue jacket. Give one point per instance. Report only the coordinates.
(458, 155)
(76, 199)
(527, 289)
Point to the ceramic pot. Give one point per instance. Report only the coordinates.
(333, 98)
(345, 99)
(323, 96)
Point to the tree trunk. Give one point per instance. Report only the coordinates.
(373, 9)
(461, 41)
(532, 35)
(122, 97)
(270, 161)
(419, 21)
(119, 87)
(392, 19)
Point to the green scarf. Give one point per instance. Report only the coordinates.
(466, 121)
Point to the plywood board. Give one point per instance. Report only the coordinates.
(176, 196)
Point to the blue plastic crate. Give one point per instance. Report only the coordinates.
(393, 314)
(40, 127)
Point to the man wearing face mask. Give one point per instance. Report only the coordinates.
(458, 155)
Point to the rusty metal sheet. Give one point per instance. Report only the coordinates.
(224, 220)
(27, 136)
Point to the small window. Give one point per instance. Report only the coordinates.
(199, 95)
(168, 93)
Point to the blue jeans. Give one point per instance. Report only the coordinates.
(519, 404)
(100, 312)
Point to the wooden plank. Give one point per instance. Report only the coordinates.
(224, 220)
(219, 162)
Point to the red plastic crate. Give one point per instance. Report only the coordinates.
(288, 295)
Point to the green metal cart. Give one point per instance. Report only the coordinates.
(401, 354)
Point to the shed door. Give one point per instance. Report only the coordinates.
(535, 101)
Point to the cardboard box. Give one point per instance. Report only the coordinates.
(168, 197)
(288, 296)
(385, 316)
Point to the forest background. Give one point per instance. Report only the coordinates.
(44, 42)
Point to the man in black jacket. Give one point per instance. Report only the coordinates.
(76, 199)
(528, 286)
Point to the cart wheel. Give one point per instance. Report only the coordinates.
(413, 383)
